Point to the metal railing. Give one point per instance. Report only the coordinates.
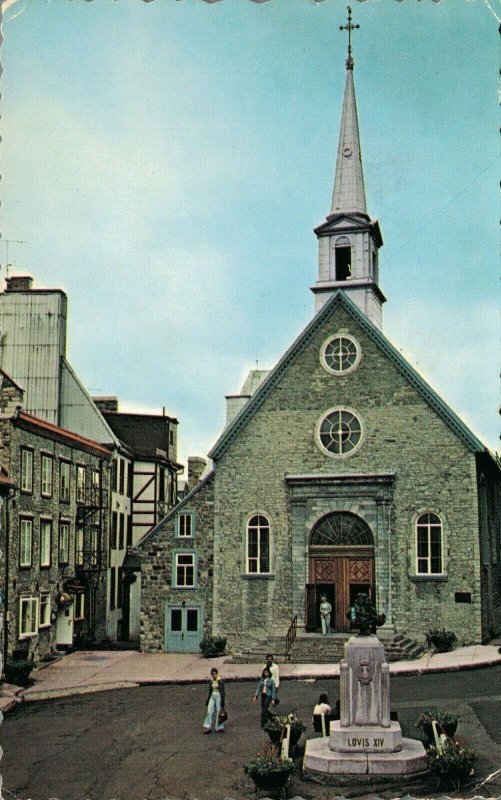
(289, 638)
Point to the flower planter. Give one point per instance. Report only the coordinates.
(271, 780)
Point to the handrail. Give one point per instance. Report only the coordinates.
(289, 639)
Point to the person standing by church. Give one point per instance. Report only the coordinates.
(325, 614)
(267, 692)
(214, 703)
(275, 674)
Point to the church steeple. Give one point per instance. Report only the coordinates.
(349, 240)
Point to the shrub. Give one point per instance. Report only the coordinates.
(451, 765)
(213, 646)
(17, 672)
(267, 761)
(443, 641)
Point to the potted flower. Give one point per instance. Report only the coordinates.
(446, 722)
(268, 770)
(276, 728)
(451, 764)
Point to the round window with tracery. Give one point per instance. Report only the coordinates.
(340, 354)
(340, 432)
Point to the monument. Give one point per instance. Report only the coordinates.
(365, 740)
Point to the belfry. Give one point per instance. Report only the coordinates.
(349, 240)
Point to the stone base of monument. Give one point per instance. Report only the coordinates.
(410, 761)
(365, 738)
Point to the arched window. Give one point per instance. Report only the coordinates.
(429, 544)
(258, 544)
(342, 253)
(341, 528)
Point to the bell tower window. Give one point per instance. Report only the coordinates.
(342, 259)
(343, 263)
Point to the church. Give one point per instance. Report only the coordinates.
(339, 471)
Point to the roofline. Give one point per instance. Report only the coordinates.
(266, 387)
(176, 508)
(138, 415)
(16, 384)
(24, 420)
(114, 437)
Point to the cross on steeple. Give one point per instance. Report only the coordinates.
(349, 27)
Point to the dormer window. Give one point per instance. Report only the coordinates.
(342, 253)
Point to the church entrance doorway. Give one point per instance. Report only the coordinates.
(341, 564)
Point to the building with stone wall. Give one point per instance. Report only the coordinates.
(54, 532)
(340, 471)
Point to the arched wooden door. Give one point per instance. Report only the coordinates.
(341, 564)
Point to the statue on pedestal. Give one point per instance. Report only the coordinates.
(363, 615)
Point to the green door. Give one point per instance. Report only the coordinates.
(183, 628)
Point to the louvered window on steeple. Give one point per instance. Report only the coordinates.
(342, 253)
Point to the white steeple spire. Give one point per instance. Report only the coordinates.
(349, 192)
(349, 240)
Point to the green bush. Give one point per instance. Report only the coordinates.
(17, 672)
(451, 765)
(443, 641)
(213, 646)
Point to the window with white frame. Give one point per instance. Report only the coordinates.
(26, 470)
(185, 569)
(44, 615)
(185, 527)
(79, 544)
(64, 542)
(46, 470)
(64, 480)
(81, 472)
(25, 542)
(45, 542)
(258, 544)
(429, 544)
(28, 616)
(79, 608)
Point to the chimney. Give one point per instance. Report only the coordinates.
(106, 405)
(19, 283)
(196, 466)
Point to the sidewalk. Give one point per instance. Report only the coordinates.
(92, 671)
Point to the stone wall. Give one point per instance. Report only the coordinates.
(434, 471)
(157, 551)
(36, 579)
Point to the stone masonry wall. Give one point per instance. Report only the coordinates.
(157, 589)
(433, 469)
(36, 579)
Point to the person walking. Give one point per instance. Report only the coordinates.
(266, 690)
(275, 674)
(325, 615)
(215, 703)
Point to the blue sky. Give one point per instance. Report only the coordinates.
(166, 162)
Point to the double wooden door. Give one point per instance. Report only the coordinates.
(340, 578)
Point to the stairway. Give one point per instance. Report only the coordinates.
(403, 649)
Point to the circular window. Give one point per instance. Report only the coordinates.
(340, 354)
(340, 432)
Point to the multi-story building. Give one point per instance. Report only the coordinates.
(54, 535)
(33, 354)
(144, 489)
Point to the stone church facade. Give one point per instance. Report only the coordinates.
(342, 471)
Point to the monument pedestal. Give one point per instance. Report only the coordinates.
(364, 741)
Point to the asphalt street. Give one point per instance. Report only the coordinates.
(146, 743)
